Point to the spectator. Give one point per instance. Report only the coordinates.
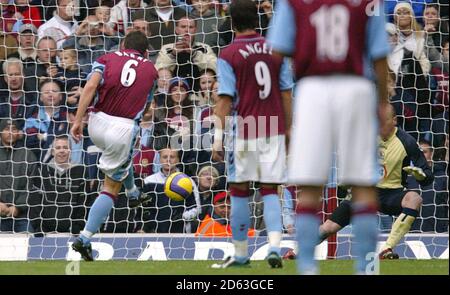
(62, 24)
(218, 224)
(7, 19)
(435, 30)
(77, 8)
(440, 122)
(162, 17)
(103, 14)
(411, 40)
(62, 206)
(91, 40)
(203, 96)
(208, 20)
(45, 65)
(208, 183)
(71, 76)
(180, 108)
(17, 171)
(187, 58)
(144, 26)
(48, 121)
(417, 6)
(123, 13)
(143, 163)
(26, 13)
(411, 67)
(26, 52)
(161, 93)
(161, 214)
(15, 103)
(264, 17)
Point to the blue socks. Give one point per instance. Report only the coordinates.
(240, 222)
(272, 219)
(97, 216)
(365, 230)
(307, 234)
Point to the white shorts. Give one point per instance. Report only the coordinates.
(334, 114)
(262, 160)
(116, 137)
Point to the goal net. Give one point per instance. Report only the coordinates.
(48, 182)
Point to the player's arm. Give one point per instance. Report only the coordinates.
(381, 71)
(286, 85)
(88, 94)
(281, 35)
(378, 49)
(221, 111)
(226, 91)
(286, 97)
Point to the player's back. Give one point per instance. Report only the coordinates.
(257, 86)
(128, 79)
(330, 36)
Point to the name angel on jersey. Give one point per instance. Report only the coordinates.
(255, 48)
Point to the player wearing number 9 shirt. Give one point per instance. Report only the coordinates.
(336, 45)
(255, 87)
(122, 83)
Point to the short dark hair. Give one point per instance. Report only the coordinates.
(136, 40)
(188, 17)
(62, 136)
(244, 15)
(432, 5)
(50, 80)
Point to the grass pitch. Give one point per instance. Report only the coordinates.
(178, 267)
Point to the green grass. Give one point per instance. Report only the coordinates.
(329, 267)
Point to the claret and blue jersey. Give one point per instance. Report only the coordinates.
(254, 79)
(127, 83)
(325, 38)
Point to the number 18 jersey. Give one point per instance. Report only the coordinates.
(127, 83)
(330, 37)
(254, 79)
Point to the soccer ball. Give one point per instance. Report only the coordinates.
(178, 186)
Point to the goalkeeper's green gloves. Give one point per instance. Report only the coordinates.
(416, 172)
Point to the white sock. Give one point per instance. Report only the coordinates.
(274, 239)
(241, 248)
(86, 234)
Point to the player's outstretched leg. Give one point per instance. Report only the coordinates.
(240, 223)
(307, 229)
(402, 225)
(272, 219)
(97, 216)
(134, 194)
(365, 228)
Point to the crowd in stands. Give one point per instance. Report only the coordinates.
(47, 48)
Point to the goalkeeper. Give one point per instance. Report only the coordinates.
(400, 156)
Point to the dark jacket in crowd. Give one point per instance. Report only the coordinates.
(18, 169)
(61, 205)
